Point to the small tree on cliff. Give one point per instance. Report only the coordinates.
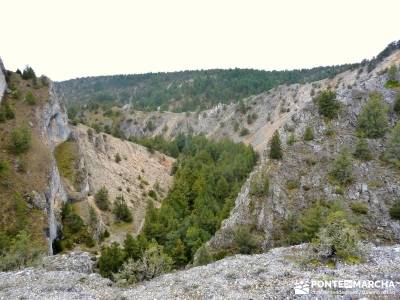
(275, 151)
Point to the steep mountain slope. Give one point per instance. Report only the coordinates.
(33, 123)
(375, 183)
(183, 91)
(136, 174)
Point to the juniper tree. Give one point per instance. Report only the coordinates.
(275, 151)
(328, 106)
(373, 120)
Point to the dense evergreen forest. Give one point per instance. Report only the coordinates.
(208, 177)
(184, 91)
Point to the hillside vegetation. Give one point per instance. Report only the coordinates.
(24, 167)
(183, 91)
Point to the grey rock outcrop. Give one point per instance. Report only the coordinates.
(55, 129)
(3, 83)
(375, 184)
(272, 275)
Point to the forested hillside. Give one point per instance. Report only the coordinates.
(184, 91)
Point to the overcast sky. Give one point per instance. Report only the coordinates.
(73, 38)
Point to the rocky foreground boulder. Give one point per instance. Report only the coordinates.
(272, 275)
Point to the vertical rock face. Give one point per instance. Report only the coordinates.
(55, 130)
(3, 83)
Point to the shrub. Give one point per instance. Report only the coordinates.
(6, 112)
(153, 263)
(111, 260)
(328, 106)
(259, 186)
(152, 194)
(359, 208)
(308, 134)
(117, 158)
(393, 147)
(4, 166)
(337, 240)
(373, 120)
(101, 198)
(244, 131)
(396, 107)
(342, 169)
(275, 151)
(20, 251)
(362, 150)
(28, 73)
(244, 241)
(30, 98)
(395, 211)
(291, 139)
(292, 184)
(203, 257)
(20, 140)
(121, 210)
(71, 221)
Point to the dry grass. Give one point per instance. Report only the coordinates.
(28, 171)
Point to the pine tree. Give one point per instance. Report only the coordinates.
(121, 210)
(373, 120)
(362, 150)
(28, 73)
(342, 169)
(328, 106)
(393, 149)
(101, 199)
(276, 148)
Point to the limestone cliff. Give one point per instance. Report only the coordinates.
(3, 83)
(376, 184)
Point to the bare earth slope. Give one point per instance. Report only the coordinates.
(138, 172)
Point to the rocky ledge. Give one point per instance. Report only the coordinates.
(273, 275)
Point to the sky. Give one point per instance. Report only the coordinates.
(75, 38)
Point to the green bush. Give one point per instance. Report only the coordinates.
(111, 260)
(244, 131)
(121, 210)
(30, 98)
(396, 107)
(291, 139)
(19, 251)
(117, 158)
(244, 241)
(101, 198)
(328, 106)
(275, 151)
(153, 263)
(4, 166)
(203, 256)
(337, 240)
(395, 211)
(359, 208)
(308, 134)
(259, 185)
(342, 168)
(20, 140)
(292, 184)
(362, 150)
(393, 147)
(6, 112)
(373, 120)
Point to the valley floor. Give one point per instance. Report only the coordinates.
(272, 275)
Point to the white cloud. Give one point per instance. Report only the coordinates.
(70, 38)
